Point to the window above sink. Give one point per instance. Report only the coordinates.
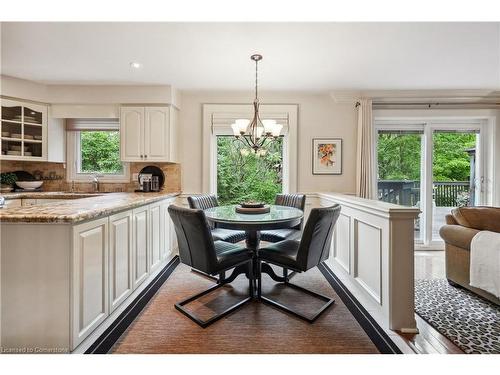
(94, 150)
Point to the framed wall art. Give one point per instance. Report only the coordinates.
(327, 155)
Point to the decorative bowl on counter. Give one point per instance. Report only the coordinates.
(29, 185)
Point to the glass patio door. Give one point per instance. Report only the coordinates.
(456, 180)
(432, 165)
(399, 154)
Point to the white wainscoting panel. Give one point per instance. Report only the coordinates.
(367, 258)
(372, 256)
(341, 242)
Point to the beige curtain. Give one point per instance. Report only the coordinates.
(364, 165)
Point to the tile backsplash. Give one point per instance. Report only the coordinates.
(172, 176)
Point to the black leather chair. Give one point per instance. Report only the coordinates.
(198, 250)
(300, 256)
(290, 200)
(294, 233)
(202, 202)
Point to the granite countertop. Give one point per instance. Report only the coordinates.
(49, 195)
(74, 210)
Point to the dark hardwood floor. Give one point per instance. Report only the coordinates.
(429, 340)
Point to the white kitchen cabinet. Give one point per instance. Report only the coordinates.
(90, 304)
(157, 134)
(173, 136)
(148, 134)
(23, 130)
(132, 133)
(81, 277)
(141, 245)
(120, 258)
(165, 249)
(172, 245)
(155, 236)
(56, 140)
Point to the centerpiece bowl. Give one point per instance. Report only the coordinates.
(252, 207)
(252, 204)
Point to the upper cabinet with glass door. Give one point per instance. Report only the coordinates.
(23, 130)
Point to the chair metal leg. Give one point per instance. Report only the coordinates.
(238, 270)
(259, 279)
(287, 276)
(205, 274)
(222, 277)
(250, 280)
(328, 302)
(205, 323)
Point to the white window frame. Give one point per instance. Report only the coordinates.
(210, 133)
(429, 125)
(73, 157)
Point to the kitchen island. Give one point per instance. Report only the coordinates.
(73, 262)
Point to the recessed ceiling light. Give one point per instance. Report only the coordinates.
(135, 65)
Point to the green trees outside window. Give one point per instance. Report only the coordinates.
(243, 175)
(100, 152)
(399, 156)
(451, 160)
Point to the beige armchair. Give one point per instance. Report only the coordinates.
(461, 225)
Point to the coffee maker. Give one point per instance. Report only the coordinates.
(151, 179)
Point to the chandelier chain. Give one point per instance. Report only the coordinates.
(256, 80)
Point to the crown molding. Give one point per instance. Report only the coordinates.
(345, 97)
(416, 96)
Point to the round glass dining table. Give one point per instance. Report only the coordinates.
(277, 218)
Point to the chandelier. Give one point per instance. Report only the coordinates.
(256, 133)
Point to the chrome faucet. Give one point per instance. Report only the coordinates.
(95, 183)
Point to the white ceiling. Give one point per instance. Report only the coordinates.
(297, 56)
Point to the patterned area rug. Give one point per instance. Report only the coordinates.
(471, 322)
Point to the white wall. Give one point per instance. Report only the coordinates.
(319, 116)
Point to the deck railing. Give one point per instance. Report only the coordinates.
(407, 192)
(450, 193)
(402, 192)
